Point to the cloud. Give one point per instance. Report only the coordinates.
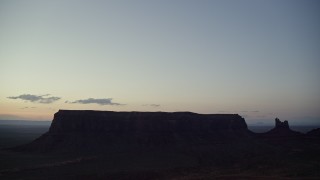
(37, 99)
(252, 111)
(26, 107)
(102, 102)
(152, 105)
(155, 105)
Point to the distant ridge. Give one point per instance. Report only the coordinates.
(314, 132)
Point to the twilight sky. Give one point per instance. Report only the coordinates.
(257, 58)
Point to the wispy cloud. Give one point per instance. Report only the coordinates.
(36, 98)
(255, 111)
(155, 105)
(152, 105)
(107, 101)
(27, 107)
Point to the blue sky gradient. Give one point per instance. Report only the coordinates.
(256, 58)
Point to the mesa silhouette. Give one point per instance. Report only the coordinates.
(84, 130)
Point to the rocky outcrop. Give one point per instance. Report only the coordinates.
(83, 130)
(281, 130)
(281, 125)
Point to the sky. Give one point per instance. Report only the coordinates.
(256, 58)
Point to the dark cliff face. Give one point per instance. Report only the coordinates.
(81, 130)
(108, 121)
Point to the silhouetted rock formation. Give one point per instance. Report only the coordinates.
(82, 130)
(281, 130)
(281, 125)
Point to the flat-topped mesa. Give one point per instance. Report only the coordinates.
(92, 131)
(108, 121)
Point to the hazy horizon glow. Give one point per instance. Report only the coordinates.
(259, 59)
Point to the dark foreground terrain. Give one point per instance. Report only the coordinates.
(143, 150)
